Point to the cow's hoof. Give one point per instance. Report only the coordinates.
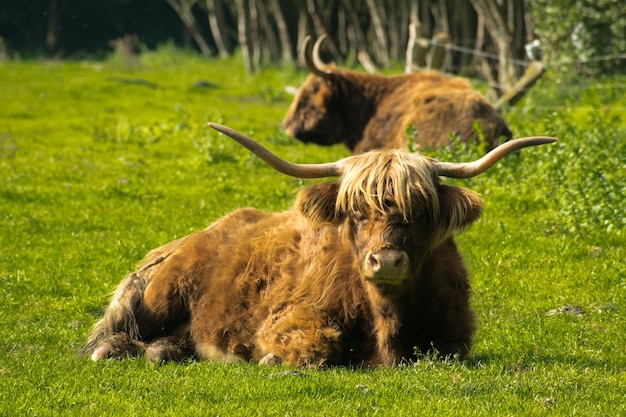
(100, 353)
(270, 359)
(117, 346)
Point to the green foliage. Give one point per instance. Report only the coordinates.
(585, 37)
(95, 171)
(583, 174)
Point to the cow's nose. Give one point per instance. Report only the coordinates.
(387, 263)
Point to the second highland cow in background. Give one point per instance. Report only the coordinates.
(370, 111)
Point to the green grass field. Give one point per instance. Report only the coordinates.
(99, 163)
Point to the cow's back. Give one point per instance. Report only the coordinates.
(465, 113)
(433, 105)
(220, 258)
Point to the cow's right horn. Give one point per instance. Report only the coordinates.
(311, 56)
(471, 169)
(331, 169)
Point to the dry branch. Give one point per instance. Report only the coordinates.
(522, 86)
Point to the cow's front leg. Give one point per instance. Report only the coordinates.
(298, 336)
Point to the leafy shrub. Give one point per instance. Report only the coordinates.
(577, 183)
(583, 175)
(578, 34)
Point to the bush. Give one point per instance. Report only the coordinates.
(586, 36)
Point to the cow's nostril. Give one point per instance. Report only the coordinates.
(373, 261)
(400, 263)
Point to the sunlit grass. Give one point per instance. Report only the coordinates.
(100, 163)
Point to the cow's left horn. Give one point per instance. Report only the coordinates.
(471, 169)
(331, 169)
(312, 56)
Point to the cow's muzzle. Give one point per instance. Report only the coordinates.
(387, 265)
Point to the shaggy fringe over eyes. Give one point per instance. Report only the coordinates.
(372, 180)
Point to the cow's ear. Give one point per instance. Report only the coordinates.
(458, 208)
(317, 202)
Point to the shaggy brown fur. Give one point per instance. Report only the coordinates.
(368, 111)
(362, 271)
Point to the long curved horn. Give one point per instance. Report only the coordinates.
(471, 169)
(331, 169)
(312, 57)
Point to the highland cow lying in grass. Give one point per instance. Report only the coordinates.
(362, 270)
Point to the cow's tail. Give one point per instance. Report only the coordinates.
(117, 332)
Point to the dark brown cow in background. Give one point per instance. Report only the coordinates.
(363, 270)
(370, 111)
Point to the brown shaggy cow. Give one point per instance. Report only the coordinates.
(370, 111)
(363, 270)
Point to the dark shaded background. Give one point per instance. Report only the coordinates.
(84, 28)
